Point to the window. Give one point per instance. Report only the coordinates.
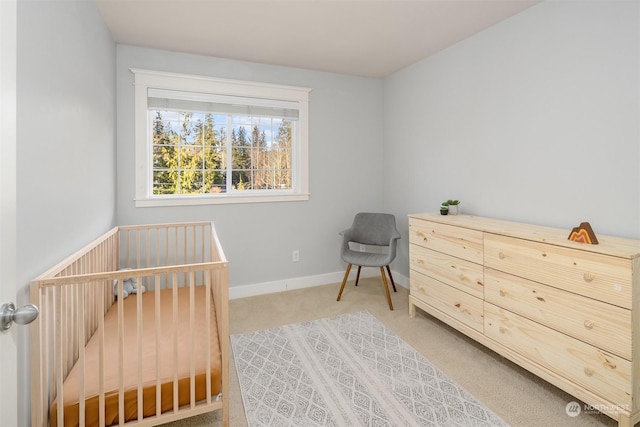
(201, 140)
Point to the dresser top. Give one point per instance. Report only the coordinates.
(608, 245)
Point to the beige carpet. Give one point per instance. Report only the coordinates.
(520, 398)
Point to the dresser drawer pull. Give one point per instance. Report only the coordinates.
(588, 277)
(503, 330)
(501, 255)
(503, 293)
(589, 371)
(588, 324)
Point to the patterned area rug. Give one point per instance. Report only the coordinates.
(347, 370)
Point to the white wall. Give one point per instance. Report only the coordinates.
(534, 120)
(346, 170)
(65, 142)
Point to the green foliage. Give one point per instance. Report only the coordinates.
(190, 154)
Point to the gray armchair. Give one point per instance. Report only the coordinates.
(374, 230)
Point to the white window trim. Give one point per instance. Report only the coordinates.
(145, 79)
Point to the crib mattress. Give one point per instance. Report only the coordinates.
(167, 362)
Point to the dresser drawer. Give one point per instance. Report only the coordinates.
(602, 277)
(460, 242)
(599, 371)
(604, 325)
(456, 272)
(457, 304)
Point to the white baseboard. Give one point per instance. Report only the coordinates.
(264, 288)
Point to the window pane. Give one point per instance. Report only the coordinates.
(164, 182)
(241, 158)
(212, 157)
(165, 156)
(191, 182)
(220, 132)
(283, 179)
(241, 180)
(190, 157)
(215, 181)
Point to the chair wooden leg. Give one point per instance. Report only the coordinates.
(358, 274)
(344, 281)
(386, 287)
(391, 277)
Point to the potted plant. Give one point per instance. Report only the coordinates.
(454, 206)
(444, 209)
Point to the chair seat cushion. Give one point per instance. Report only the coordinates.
(366, 259)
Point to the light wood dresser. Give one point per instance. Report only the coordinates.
(569, 312)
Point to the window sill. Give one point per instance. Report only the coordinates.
(218, 200)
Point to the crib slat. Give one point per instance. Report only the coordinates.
(127, 243)
(166, 245)
(137, 249)
(207, 316)
(72, 296)
(120, 352)
(184, 252)
(194, 244)
(58, 351)
(192, 323)
(174, 285)
(139, 321)
(101, 397)
(157, 250)
(176, 261)
(50, 345)
(63, 328)
(202, 245)
(159, 315)
(81, 354)
(148, 248)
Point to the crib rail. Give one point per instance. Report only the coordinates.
(75, 295)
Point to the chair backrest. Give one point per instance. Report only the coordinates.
(373, 228)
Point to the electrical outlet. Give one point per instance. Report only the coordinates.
(295, 256)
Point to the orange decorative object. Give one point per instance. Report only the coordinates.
(584, 234)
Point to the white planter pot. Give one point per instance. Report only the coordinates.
(454, 209)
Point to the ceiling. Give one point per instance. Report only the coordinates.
(369, 38)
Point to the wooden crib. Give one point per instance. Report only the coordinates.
(146, 359)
